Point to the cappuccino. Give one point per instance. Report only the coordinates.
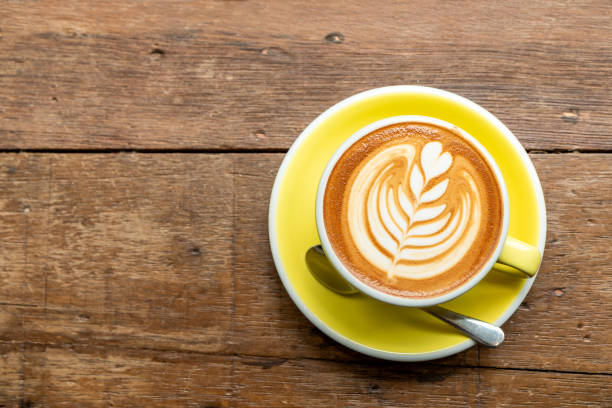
(413, 210)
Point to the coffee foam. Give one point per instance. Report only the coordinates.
(413, 210)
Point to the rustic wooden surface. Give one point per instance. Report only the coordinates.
(252, 74)
(138, 146)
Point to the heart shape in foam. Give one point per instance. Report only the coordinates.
(433, 161)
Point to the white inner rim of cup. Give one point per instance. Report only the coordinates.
(371, 291)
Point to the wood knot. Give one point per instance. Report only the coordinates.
(571, 116)
(195, 251)
(559, 292)
(260, 134)
(82, 318)
(274, 52)
(156, 53)
(87, 222)
(334, 37)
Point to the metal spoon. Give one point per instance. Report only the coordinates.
(323, 271)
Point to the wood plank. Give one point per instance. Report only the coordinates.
(123, 269)
(88, 376)
(137, 250)
(558, 326)
(91, 377)
(225, 75)
(292, 383)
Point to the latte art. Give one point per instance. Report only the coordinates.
(413, 209)
(403, 220)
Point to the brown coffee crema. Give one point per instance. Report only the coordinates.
(413, 210)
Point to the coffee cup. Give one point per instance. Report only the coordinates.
(414, 211)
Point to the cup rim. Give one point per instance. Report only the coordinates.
(370, 290)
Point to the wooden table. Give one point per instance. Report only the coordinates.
(139, 142)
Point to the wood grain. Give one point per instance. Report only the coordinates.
(134, 250)
(292, 383)
(11, 373)
(75, 376)
(252, 75)
(149, 251)
(24, 203)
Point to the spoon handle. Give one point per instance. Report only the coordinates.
(482, 332)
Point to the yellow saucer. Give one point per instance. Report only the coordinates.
(362, 323)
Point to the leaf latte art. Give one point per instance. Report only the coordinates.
(413, 209)
(403, 221)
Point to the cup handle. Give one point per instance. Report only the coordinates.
(521, 256)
